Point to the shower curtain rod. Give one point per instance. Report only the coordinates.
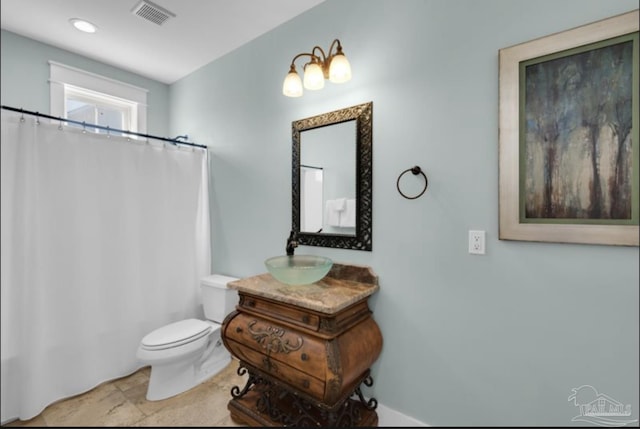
(84, 124)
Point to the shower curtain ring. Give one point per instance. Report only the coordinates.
(84, 129)
(108, 132)
(60, 124)
(37, 118)
(21, 116)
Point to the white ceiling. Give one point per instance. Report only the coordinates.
(202, 30)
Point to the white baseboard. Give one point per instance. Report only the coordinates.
(391, 418)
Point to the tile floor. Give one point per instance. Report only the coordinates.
(122, 402)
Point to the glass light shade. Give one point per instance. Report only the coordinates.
(313, 76)
(292, 86)
(340, 69)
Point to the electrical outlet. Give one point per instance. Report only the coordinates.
(476, 242)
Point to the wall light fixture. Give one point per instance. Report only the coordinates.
(334, 67)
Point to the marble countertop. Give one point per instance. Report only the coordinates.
(343, 286)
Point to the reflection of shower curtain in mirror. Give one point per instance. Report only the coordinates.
(103, 240)
(311, 206)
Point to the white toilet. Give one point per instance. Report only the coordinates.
(184, 354)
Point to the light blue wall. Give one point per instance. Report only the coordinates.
(24, 71)
(472, 340)
(499, 339)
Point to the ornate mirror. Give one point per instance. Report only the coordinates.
(332, 178)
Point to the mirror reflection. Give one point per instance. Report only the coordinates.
(328, 179)
(312, 197)
(332, 177)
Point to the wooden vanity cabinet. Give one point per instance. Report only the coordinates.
(305, 366)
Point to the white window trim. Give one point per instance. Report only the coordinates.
(61, 75)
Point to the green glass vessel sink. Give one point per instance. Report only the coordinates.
(298, 269)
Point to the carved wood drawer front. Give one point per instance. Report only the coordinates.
(279, 311)
(279, 370)
(285, 345)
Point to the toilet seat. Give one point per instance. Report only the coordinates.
(176, 334)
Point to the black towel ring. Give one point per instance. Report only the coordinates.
(415, 170)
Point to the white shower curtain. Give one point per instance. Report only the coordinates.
(103, 240)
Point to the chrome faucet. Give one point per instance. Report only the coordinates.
(292, 243)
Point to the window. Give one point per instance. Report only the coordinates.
(94, 99)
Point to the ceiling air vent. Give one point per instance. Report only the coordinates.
(152, 12)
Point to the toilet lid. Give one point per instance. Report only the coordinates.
(176, 334)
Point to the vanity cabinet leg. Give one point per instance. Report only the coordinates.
(270, 404)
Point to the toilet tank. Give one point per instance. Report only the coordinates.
(217, 299)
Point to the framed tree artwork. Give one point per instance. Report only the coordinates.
(569, 144)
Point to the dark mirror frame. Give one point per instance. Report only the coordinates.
(363, 115)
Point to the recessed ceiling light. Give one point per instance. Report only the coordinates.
(83, 25)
